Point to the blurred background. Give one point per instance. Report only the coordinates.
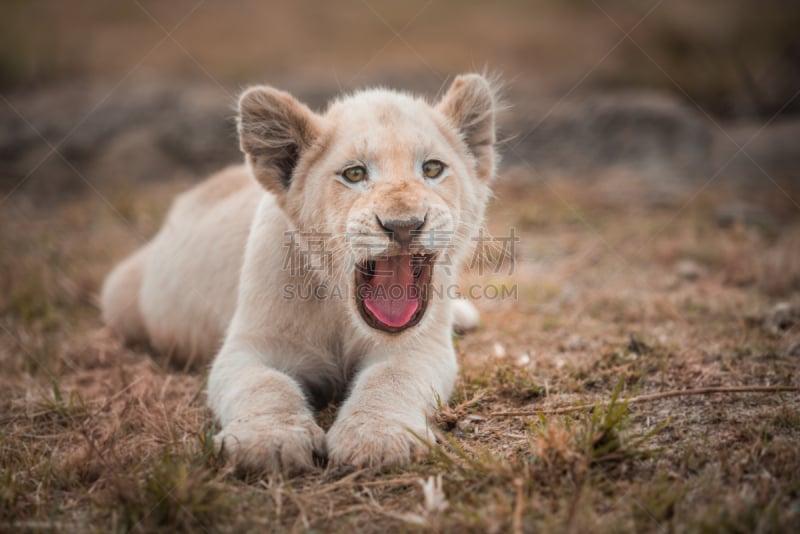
(645, 99)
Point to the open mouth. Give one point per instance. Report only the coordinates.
(392, 291)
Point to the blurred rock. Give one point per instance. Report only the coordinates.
(656, 149)
(523, 360)
(689, 270)
(498, 350)
(769, 158)
(728, 215)
(631, 147)
(652, 136)
(572, 343)
(637, 347)
(783, 317)
(148, 130)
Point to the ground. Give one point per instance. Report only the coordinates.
(605, 301)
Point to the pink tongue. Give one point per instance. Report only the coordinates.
(393, 297)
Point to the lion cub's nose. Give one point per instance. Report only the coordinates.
(401, 230)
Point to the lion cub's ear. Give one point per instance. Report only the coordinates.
(470, 105)
(274, 130)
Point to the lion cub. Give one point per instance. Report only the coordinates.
(322, 269)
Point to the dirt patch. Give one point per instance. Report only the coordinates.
(608, 304)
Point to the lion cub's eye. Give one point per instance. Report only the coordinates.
(432, 168)
(354, 174)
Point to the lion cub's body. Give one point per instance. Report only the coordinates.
(184, 283)
(227, 274)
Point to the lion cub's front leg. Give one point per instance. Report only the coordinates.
(385, 419)
(267, 425)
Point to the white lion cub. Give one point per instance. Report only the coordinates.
(325, 269)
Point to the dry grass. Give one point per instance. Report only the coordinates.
(611, 302)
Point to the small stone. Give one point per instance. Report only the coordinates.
(465, 426)
(574, 342)
(688, 270)
(637, 347)
(498, 350)
(782, 318)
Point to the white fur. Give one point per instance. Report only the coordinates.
(466, 316)
(217, 270)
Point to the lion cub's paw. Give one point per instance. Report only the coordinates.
(370, 440)
(272, 444)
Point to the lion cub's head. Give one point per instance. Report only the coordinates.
(390, 187)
